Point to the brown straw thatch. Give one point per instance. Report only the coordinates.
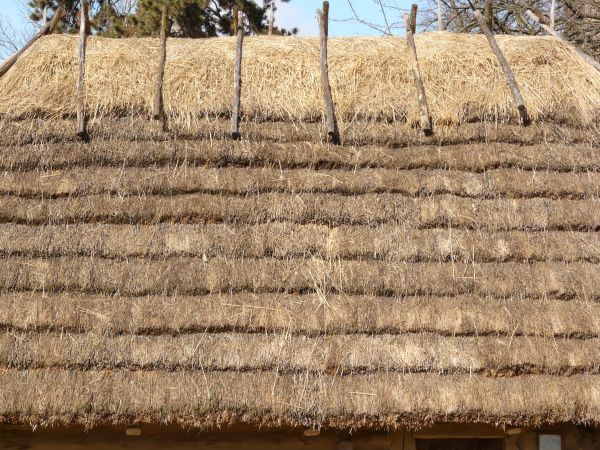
(370, 79)
(210, 282)
(151, 277)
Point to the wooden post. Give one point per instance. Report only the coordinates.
(81, 119)
(488, 14)
(552, 32)
(553, 14)
(271, 17)
(45, 17)
(425, 119)
(332, 126)
(413, 18)
(237, 79)
(159, 105)
(48, 29)
(510, 76)
(441, 26)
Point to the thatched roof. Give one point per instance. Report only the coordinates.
(370, 77)
(151, 277)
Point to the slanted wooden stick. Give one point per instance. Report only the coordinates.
(488, 14)
(47, 29)
(159, 105)
(332, 126)
(83, 32)
(425, 118)
(552, 32)
(510, 76)
(237, 79)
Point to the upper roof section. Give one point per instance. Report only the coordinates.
(370, 79)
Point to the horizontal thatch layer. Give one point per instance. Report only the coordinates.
(205, 399)
(326, 209)
(370, 78)
(341, 354)
(195, 276)
(390, 135)
(186, 179)
(311, 314)
(286, 240)
(476, 157)
(214, 281)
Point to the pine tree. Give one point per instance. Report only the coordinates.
(189, 18)
(201, 18)
(71, 8)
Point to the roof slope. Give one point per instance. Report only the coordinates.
(370, 79)
(207, 281)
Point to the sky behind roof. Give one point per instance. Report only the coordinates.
(297, 13)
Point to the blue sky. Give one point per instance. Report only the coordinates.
(300, 13)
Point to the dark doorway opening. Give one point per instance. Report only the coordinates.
(460, 444)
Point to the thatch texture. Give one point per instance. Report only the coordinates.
(206, 282)
(380, 400)
(401, 280)
(370, 79)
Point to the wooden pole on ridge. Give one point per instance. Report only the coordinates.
(414, 9)
(48, 29)
(271, 17)
(488, 14)
(510, 76)
(411, 28)
(159, 104)
(440, 18)
(552, 32)
(332, 126)
(237, 79)
(83, 32)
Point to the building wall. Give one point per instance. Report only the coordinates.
(245, 438)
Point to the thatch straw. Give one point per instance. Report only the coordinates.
(309, 314)
(207, 281)
(370, 79)
(477, 157)
(341, 354)
(194, 276)
(325, 209)
(285, 240)
(359, 401)
(185, 178)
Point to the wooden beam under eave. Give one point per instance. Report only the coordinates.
(460, 431)
(397, 440)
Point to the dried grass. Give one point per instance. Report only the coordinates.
(343, 355)
(478, 157)
(311, 314)
(285, 240)
(185, 178)
(324, 209)
(194, 276)
(209, 281)
(370, 79)
(356, 401)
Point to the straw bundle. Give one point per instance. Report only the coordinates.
(182, 278)
(370, 79)
(213, 399)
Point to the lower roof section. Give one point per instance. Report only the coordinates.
(204, 399)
